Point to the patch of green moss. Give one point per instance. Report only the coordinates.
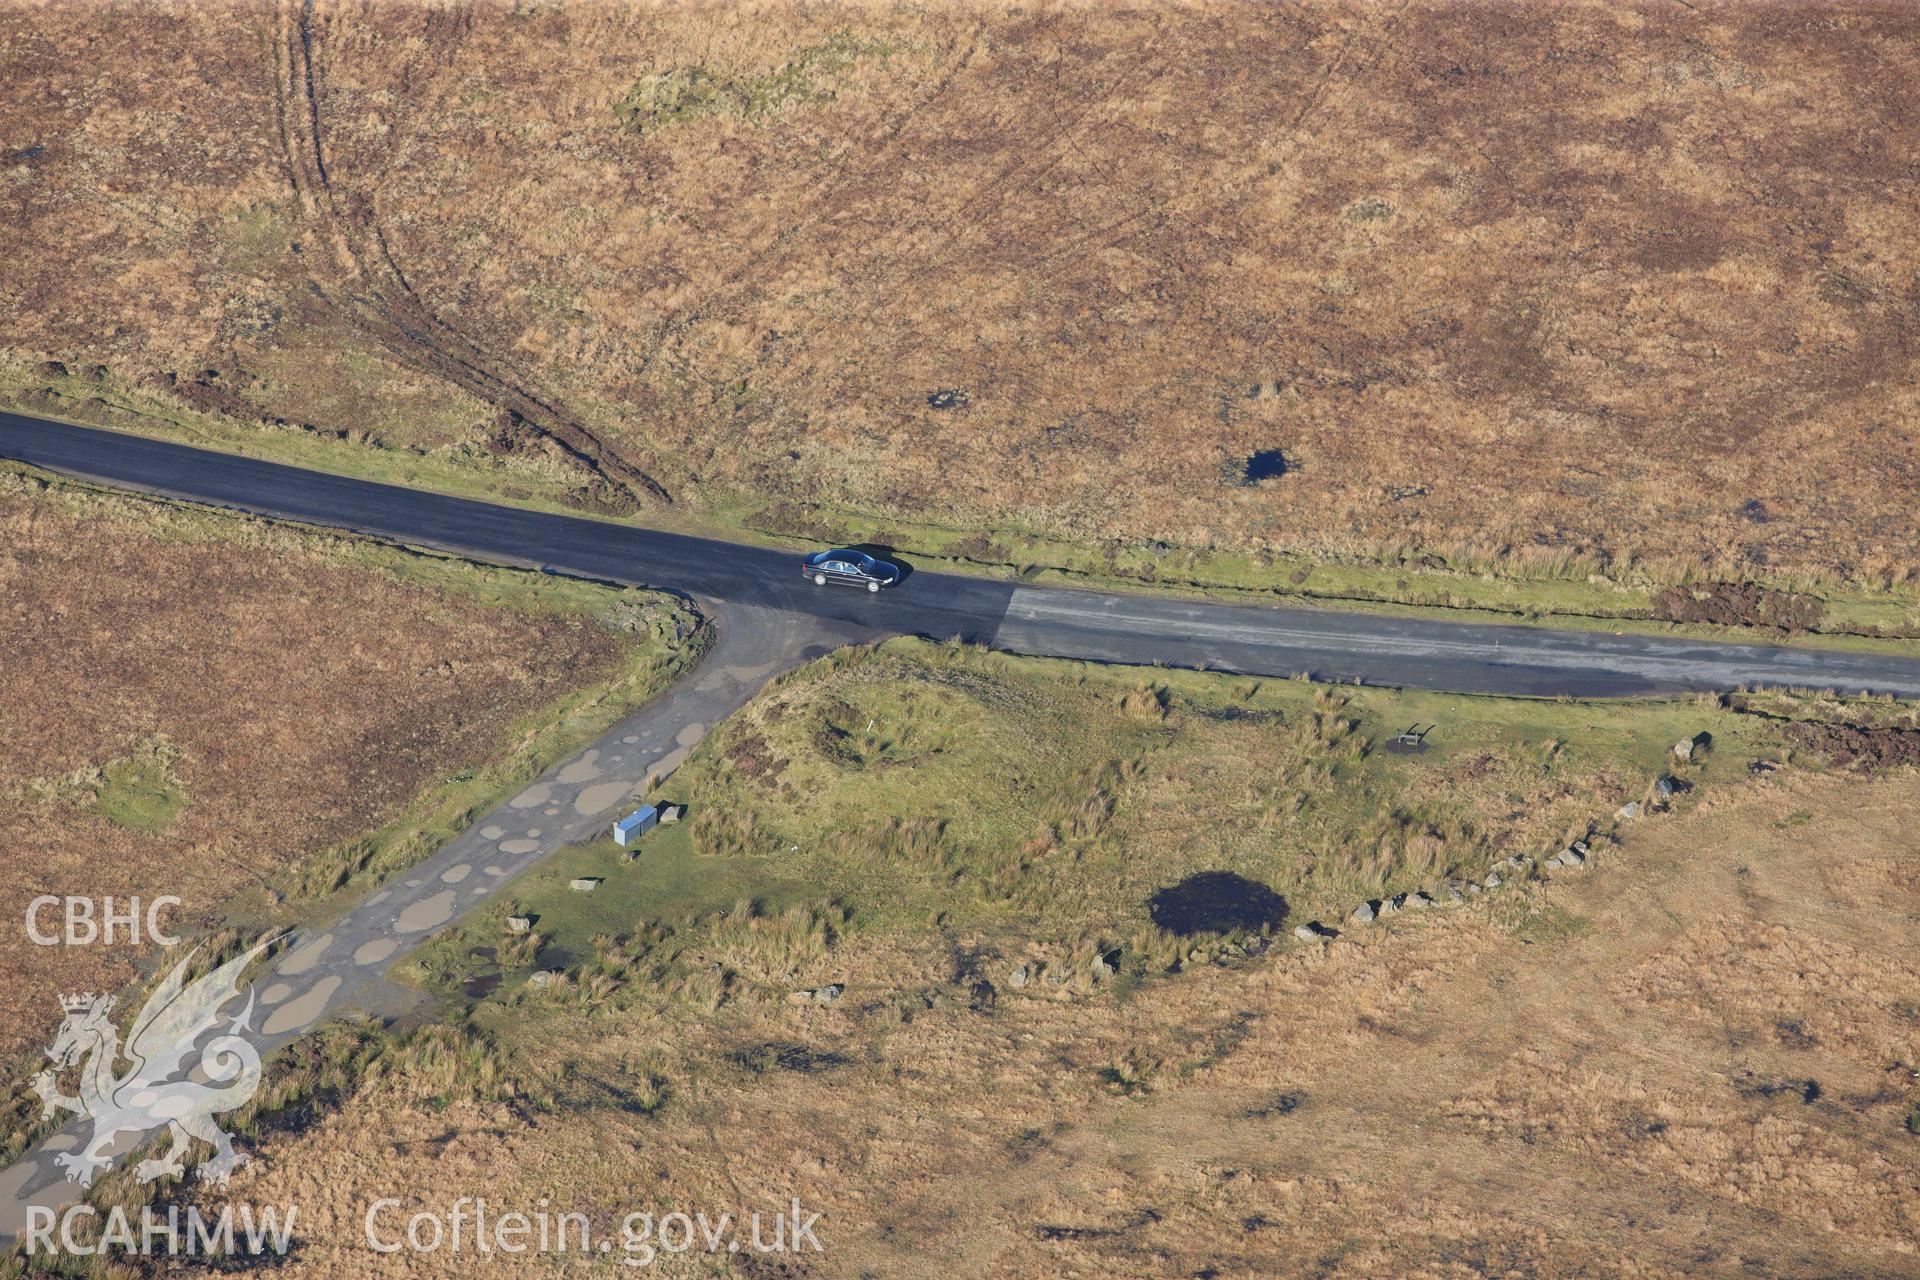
(683, 95)
(139, 793)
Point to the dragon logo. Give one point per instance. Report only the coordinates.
(161, 1088)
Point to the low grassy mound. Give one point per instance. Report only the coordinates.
(1079, 822)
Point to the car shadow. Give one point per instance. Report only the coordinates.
(892, 557)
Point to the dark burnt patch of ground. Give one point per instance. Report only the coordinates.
(1853, 747)
(1739, 604)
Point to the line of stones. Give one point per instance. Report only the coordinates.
(1574, 857)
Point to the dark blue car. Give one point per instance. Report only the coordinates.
(851, 568)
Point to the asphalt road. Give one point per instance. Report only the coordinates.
(1416, 652)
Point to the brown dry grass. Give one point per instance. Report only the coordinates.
(1603, 1077)
(1633, 280)
(301, 700)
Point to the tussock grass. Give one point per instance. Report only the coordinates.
(1449, 398)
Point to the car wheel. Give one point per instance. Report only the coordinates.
(873, 586)
(819, 579)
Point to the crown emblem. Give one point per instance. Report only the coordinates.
(77, 1004)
